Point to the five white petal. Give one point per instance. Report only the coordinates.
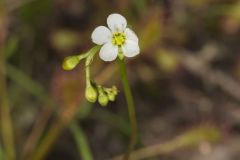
(116, 22)
(131, 48)
(103, 36)
(108, 52)
(131, 35)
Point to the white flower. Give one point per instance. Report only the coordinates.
(115, 38)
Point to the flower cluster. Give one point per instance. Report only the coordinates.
(115, 41)
(100, 93)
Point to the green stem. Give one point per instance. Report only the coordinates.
(87, 71)
(6, 122)
(91, 53)
(131, 107)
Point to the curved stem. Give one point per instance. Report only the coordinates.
(131, 107)
(91, 54)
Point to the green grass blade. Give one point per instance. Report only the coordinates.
(81, 140)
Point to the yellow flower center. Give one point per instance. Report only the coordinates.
(118, 39)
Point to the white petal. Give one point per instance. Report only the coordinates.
(131, 48)
(108, 52)
(101, 35)
(116, 22)
(130, 35)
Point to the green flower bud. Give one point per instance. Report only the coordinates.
(111, 96)
(114, 90)
(91, 94)
(70, 62)
(111, 93)
(103, 99)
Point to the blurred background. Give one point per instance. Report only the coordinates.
(185, 82)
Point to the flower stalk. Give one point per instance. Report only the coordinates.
(115, 42)
(131, 107)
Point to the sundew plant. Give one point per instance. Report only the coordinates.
(114, 42)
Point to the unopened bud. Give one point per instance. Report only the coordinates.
(103, 99)
(111, 93)
(114, 90)
(91, 94)
(70, 62)
(111, 97)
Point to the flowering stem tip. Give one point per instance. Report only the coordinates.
(113, 42)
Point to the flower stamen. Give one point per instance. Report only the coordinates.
(118, 39)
